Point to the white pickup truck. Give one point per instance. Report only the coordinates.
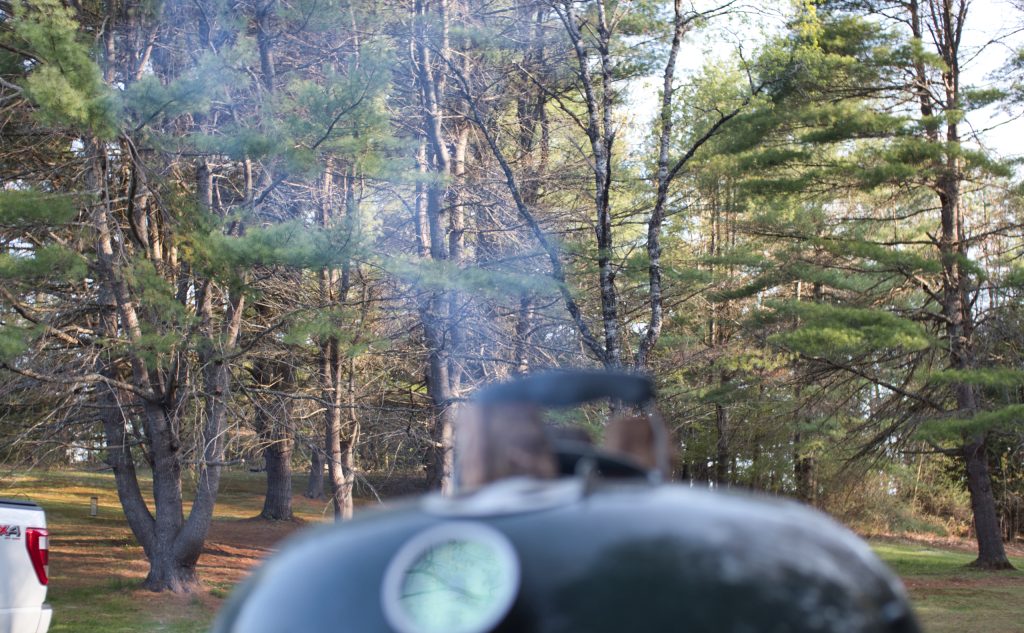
(24, 559)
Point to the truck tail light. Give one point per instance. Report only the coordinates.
(38, 542)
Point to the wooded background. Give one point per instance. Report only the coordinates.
(299, 233)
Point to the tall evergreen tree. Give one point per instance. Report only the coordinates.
(882, 226)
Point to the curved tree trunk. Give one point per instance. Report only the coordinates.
(991, 552)
(172, 544)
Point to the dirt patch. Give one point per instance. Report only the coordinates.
(996, 579)
(234, 547)
(99, 553)
(92, 554)
(256, 534)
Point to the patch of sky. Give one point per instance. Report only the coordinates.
(738, 31)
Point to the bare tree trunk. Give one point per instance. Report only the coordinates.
(991, 552)
(119, 444)
(277, 436)
(167, 569)
(803, 463)
(342, 424)
(803, 471)
(598, 99)
(523, 325)
(273, 426)
(429, 36)
(277, 502)
(188, 542)
(439, 457)
(722, 458)
(348, 445)
(330, 368)
(315, 483)
(665, 121)
(330, 359)
(458, 303)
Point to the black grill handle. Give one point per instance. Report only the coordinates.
(568, 388)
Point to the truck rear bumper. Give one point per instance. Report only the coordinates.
(45, 615)
(27, 620)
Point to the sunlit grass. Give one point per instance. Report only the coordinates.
(96, 567)
(120, 607)
(950, 597)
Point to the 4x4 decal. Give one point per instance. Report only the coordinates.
(10, 531)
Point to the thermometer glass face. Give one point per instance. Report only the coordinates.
(457, 586)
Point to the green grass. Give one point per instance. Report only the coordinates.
(96, 567)
(911, 559)
(952, 598)
(120, 607)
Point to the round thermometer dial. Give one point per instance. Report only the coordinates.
(459, 577)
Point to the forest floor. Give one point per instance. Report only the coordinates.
(96, 567)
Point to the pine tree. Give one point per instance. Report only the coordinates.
(880, 217)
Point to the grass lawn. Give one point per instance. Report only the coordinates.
(950, 598)
(96, 567)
